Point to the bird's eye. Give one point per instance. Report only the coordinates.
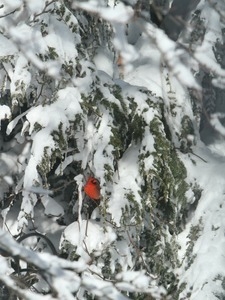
(94, 181)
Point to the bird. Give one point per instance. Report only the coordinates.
(92, 196)
(92, 188)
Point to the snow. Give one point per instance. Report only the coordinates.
(7, 47)
(208, 250)
(128, 179)
(14, 122)
(12, 4)
(62, 111)
(103, 61)
(52, 208)
(173, 57)
(147, 64)
(119, 13)
(5, 112)
(204, 53)
(137, 278)
(4, 265)
(35, 7)
(62, 40)
(105, 289)
(71, 118)
(20, 72)
(78, 235)
(215, 122)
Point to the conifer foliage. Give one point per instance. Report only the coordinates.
(97, 89)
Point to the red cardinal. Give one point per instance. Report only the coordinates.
(92, 188)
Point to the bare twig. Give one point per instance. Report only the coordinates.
(139, 252)
(199, 157)
(10, 13)
(44, 11)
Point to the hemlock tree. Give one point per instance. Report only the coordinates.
(97, 88)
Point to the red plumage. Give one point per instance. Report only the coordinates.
(92, 188)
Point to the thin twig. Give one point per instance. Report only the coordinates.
(10, 13)
(205, 161)
(86, 248)
(139, 252)
(191, 152)
(44, 10)
(86, 229)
